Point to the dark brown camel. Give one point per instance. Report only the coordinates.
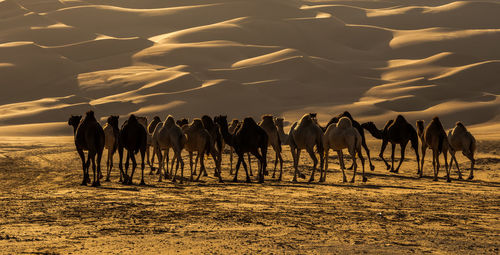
(397, 131)
(215, 133)
(434, 137)
(111, 133)
(133, 137)
(182, 122)
(249, 138)
(356, 125)
(89, 136)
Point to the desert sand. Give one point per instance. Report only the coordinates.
(375, 58)
(246, 58)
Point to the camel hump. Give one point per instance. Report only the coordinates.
(346, 114)
(197, 123)
(132, 119)
(344, 122)
(306, 119)
(460, 125)
(400, 119)
(267, 117)
(90, 115)
(249, 121)
(170, 120)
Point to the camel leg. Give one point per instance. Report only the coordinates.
(393, 148)
(134, 166)
(260, 171)
(381, 155)
(202, 163)
(281, 165)
(435, 164)
(448, 169)
(315, 162)
(82, 157)
(179, 159)
(454, 159)
(275, 163)
(95, 182)
(217, 166)
(160, 163)
(87, 166)
(296, 165)
(421, 173)
(365, 146)
(98, 162)
(128, 178)
(143, 152)
(191, 163)
(355, 166)
(323, 177)
(360, 154)
(238, 163)
(403, 149)
(342, 166)
(231, 160)
(108, 171)
(250, 164)
(172, 167)
(470, 156)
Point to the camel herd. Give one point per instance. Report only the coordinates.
(210, 135)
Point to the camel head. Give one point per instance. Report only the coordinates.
(90, 115)
(279, 122)
(368, 125)
(221, 120)
(74, 120)
(182, 122)
(197, 123)
(113, 120)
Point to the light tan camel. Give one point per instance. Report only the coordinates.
(339, 136)
(151, 128)
(232, 129)
(434, 137)
(199, 140)
(279, 122)
(111, 134)
(274, 141)
(462, 140)
(169, 135)
(305, 135)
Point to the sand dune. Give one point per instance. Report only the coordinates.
(377, 59)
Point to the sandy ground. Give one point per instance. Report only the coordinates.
(43, 209)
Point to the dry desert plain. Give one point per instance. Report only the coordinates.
(44, 209)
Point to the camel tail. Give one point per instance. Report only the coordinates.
(414, 140)
(420, 127)
(290, 136)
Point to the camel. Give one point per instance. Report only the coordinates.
(235, 124)
(111, 133)
(151, 128)
(182, 122)
(248, 138)
(89, 136)
(268, 125)
(279, 122)
(169, 135)
(133, 137)
(462, 140)
(397, 131)
(356, 125)
(434, 137)
(214, 132)
(342, 135)
(199, 140)
(306, 134)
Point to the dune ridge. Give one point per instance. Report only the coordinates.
(246, 58)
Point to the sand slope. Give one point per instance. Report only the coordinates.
(250, 57)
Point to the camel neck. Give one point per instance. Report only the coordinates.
(226, 135)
